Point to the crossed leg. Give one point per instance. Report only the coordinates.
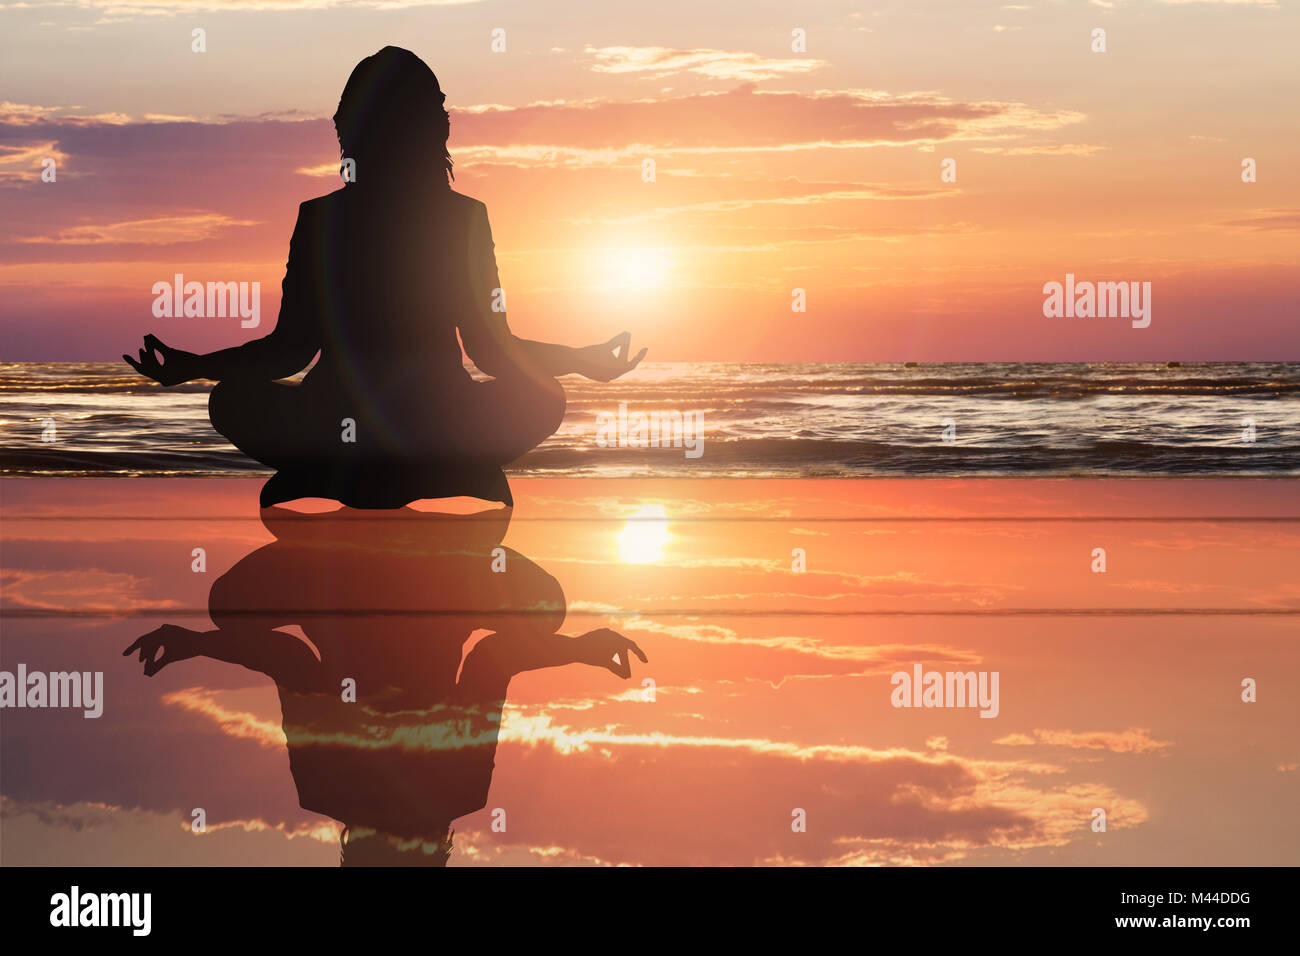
(457, 448)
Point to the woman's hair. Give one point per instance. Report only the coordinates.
(390, 115)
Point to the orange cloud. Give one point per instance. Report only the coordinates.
(163, 230)
(1134, 740)
(658, 62)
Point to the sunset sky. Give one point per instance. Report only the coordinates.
(775, 169)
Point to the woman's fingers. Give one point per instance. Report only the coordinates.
(619, 664)
(148, 364)
(143, 365)
(619, 369)
(619, 341)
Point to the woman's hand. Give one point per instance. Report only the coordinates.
(175, 644)
(607, 361)
(600, 647)
(175, 367)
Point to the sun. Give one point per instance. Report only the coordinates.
(643, 538)
(642, 269)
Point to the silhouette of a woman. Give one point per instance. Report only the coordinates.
(382, 273)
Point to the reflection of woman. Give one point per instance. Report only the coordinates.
(382, 275)
(388, 731)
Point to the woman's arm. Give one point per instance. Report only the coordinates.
(500, 656)
(280, 656)
(287, 350)
(497, 351)
(294, 341)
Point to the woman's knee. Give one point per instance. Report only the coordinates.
(226, 408)
(252, 418)
(551, 405)
(521, 414)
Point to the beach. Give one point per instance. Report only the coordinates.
(776, 615)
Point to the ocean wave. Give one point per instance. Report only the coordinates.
(745, 457)
(723, 382)
(814, 420)
(788, 389)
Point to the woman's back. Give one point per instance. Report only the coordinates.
(388, 277)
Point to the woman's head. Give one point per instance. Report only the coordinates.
(390, 119)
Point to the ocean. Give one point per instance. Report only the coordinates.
(788, 420)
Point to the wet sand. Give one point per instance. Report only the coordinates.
(771, 686)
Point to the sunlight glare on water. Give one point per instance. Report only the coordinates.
(644, 536)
